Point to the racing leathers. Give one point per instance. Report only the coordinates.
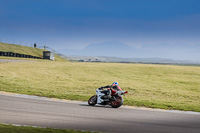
(110, 89)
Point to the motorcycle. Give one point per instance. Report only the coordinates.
(116, 99)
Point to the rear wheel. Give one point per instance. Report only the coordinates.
(117, 103)
(93, 100)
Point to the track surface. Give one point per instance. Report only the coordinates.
(44, 112)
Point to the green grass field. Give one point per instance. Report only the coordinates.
(25, 129)
(156, 86)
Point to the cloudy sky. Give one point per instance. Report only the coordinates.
(74, 24)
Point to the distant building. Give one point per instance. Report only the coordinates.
(48, 55)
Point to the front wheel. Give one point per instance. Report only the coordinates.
(93, 100)
(117, 103)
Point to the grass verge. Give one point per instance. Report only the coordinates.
(26, 129)
(155, 86)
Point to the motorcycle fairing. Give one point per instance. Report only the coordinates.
(99, 95)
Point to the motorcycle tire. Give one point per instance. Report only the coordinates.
(117, 103)
(93, 100)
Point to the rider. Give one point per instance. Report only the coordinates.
(111, 88)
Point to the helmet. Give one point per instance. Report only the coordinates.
(115, 84)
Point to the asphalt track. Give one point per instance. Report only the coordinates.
(45, 112)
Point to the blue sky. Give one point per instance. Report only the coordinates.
(74, 24)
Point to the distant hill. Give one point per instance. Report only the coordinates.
(130, 60)
(100, 49)
(110, 49)
(169, 52)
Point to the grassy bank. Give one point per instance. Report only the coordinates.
(21, 49)
(157, 86)
(25, 129)
(24, 50)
